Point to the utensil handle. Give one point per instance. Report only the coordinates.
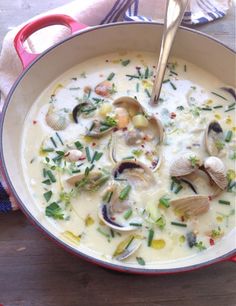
(174, 14)
(35, 25)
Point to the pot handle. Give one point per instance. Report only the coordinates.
(35, 25)
(233, 259)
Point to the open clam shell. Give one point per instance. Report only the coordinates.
(214, 138)
(57, 119)
(134, 171)
(83, 107)
(127, 247)
(131, 104)
(184, 165)
(191, 205)
(91, 182)
(216, 170)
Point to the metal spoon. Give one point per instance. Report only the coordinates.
(174, 13)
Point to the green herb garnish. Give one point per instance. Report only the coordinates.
(78, 145)
(128, 214)
(181, 108)
(150, 237)
(125, 63)
(200, 246)
(88, 155)
(124, 192)
(161, 222)
(146, 74)
(109, 121)
(224, 202)
(137, 152)
(53, 142)
(165, 201)
(111, 76)
(147, 92)
(173, 85)
(54, 211)
(194, 161)
(218, 106)
(51, 176)
(140, 261)
(179, 224)
(229, 136)
(178, 189)
(47, 195)
(59, 138)
(216, 94)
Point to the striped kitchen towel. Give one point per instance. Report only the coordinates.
(93, 12)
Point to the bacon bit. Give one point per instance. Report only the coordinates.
(212, 242)
(34, 121)
(172, 115)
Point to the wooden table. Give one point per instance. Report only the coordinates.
(34, 272)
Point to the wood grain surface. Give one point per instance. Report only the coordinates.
(35, 272)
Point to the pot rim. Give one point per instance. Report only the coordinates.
(34, 221)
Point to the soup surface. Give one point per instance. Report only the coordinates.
(131, 181)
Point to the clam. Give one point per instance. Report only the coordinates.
(98, 129)
(88, 182)
(184, 165)
(215, 168)
(133, 171)
(214, 138)
(85, 107)
(57, 119)
(112, 209)
(191, 205)
(129, 107)
(127, 247)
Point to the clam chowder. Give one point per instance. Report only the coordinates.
(131, 181)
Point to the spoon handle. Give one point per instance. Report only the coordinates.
(174, 13)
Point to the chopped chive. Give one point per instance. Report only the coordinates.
(175, 73)
(150, 237)
(135, 224)
(173, 85)
(179, 224)
(47, 195)
(96, 156)
(46, 182)
(53, 142)
(128, 214)
(165, 201)
(185, 68)
(51, 176)
(172, 185)
(48, 150)
(59, 137)
(140, 261)
(91, 127)
(137, 87)
(228, 136)
(166, 81)
(216, 94)
(103, 233)
(107, 197)
(111, 76)
(128, 157)
(74, 88)
(120, 179)
(88, 110)
(178, 189)
(78, 145)
(88, 154)
(99, 155)
(76, 171)
(231, 105)
(98, 100)
(146, 74)
(229, 109)
(124, 193)
(138, 70)
(112, 233)
(224, 202)
(44, 172)
(104, 128)
(125, 63)
(218, 106)
(206, 108)
(130, 76)
(147, 92)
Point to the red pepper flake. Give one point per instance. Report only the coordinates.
(210, 198)
(124, 129)
(212, 242)
(94, 144)
(144, 138)
(34, 121)
(182, 218)
(113, 218)
(154, 66)
(172, 115)
(107, 60)
(142, 145)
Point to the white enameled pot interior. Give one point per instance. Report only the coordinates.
(189, 45)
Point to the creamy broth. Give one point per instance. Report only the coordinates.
(190, 99)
